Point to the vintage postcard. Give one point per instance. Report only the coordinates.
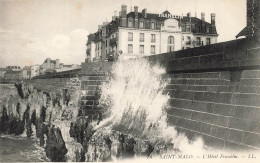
(130, 81)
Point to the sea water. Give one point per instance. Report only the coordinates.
(20, 149)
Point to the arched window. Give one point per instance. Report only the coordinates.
(170, 47)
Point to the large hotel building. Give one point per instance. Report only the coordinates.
(138, 34)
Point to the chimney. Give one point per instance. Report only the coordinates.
(124, 10)
(123, 15)
(203, 16)
(188, 14)
(213, 16)
(144, 12)
(136, 16)
(213, 23)
(136, 12)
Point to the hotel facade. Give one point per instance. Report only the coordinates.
(137, 34)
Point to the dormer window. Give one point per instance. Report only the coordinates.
(152, 25)
(130, 23)
(208, 30)
(141, 24)
(188, 28)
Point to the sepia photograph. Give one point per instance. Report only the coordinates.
(130, 81)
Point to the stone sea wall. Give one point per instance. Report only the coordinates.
(213, 92)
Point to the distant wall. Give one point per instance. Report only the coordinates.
(50, 84)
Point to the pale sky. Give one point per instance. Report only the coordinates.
(33, 30)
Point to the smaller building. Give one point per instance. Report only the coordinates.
(13, 75)
(49, 64)
(26, 72)
(34, 71)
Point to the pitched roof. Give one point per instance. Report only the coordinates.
(93, 37)
(184, 19)
(149, 16)
(244, 32)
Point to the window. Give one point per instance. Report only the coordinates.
(170, 47)
(153, 39)
(153, 49)
(130, 23)
(141, 25)
(198, 41)
(152, 25)
(170, 40)
(141, 50)
(130, 48)
(208, 41)
(130, 36)
(198, 29)
(207, 29)
(188, 28)
(182, 38)
(141, 37)
(188, 42)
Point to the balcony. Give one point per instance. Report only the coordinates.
(141, 39)
(153, 40)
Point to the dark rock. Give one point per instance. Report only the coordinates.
(129, 153)
(28, 122)
(4, 120)
(55, 145)
(20, 90)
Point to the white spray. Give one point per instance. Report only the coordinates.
(136, 104)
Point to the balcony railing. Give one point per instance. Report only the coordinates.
(141, 40)
(153, 40)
